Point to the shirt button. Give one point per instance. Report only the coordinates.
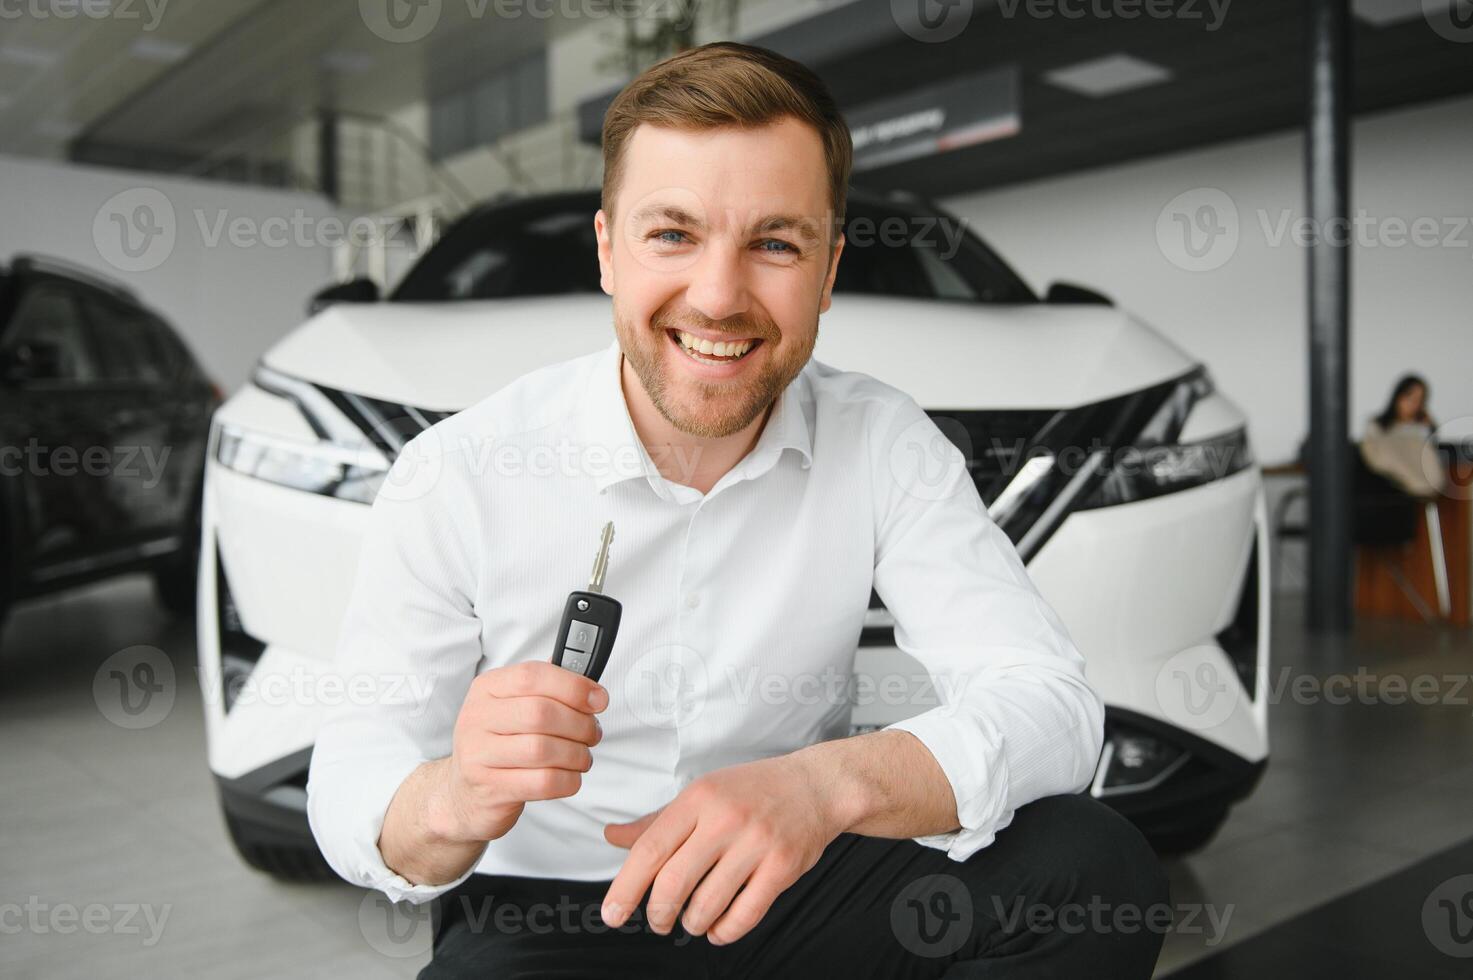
(692, 601)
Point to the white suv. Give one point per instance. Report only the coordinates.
(1101, 449)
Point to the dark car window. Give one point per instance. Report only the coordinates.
(50, 315)
(918, 255)
(521, 252)
(542, 248)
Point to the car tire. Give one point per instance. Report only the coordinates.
(1181, 838)
(277, 854)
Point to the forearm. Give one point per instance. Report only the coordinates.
(881, 784)
(414, 840)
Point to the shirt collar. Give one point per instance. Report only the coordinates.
(605, 422)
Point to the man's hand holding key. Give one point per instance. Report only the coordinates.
(523, 733)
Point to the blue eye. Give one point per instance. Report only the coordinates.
(783, 246)
(669, 241)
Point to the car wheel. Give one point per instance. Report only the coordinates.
(1184, 837)
(279, 855)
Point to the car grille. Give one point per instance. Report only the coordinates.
(997, 444)
(994, 443)
(388, 425)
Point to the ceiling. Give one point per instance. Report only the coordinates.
(205, 73)
(202, 75)
(1246, 76)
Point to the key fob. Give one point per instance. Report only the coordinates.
(586, 636)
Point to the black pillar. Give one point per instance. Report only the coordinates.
(327, 154)
(1327, 159)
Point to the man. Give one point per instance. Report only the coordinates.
(717, 819)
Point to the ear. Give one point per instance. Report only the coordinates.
(828, 282)
(603, 231)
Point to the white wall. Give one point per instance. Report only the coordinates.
(230, 295)
(1412, 306)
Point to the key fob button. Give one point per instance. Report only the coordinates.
(582, 636)
(576, 660)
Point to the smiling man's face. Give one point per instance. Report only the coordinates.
(718, 258)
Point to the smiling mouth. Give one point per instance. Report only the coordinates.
(709, 352)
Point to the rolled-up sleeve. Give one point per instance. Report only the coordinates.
(1016, 719)
(408, 650)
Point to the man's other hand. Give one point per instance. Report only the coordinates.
(725, 847)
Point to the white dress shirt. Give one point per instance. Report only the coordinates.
(742, 612)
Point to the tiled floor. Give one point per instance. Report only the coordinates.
(1354, 791)
(125, 822)
(1415, 923)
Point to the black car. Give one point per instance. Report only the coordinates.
(104, 414)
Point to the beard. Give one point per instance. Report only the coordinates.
(710, 409)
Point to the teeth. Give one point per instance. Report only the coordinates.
(700, 345)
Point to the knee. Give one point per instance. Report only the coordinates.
(1095, 853)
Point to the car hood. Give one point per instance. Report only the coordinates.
(953, 355)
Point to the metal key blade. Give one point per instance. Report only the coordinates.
(601, 561)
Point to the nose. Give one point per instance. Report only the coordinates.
(717, 286)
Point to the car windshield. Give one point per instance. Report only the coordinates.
(547, 247)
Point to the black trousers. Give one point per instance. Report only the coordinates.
(1069, 889)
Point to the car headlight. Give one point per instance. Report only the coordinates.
(322, 468)
(1142, 473)
(357, 441)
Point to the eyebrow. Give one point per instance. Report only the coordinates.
(767, 223)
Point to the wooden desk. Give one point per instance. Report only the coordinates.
(1376, 591)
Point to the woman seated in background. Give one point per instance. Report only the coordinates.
(1398, 443)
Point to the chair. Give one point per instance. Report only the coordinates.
(1383, 516)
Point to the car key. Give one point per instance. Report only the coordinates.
(590, 621)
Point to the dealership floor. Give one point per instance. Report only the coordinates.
(116, 863)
